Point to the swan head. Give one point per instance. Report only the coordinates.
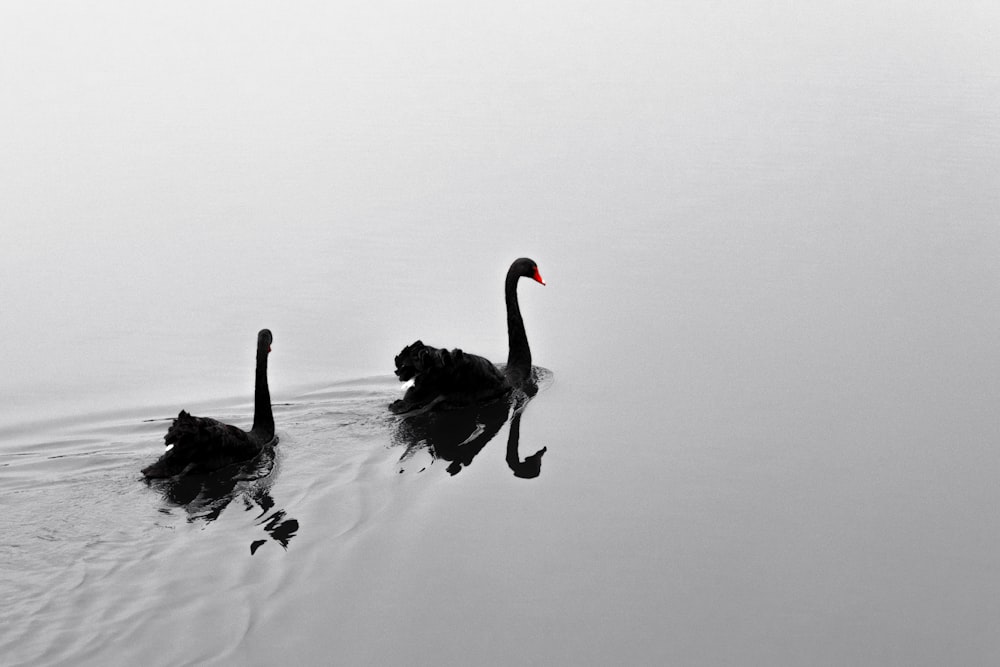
(527, 268)
(264, 339)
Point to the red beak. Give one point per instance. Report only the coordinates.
(538, 276)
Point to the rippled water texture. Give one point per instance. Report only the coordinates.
(172, 552)
(767, 431)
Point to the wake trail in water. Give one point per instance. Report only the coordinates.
(90, 537)
(93, 540)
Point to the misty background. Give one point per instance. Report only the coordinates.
(176, 177)
(769, 232)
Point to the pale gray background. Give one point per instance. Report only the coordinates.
(770, 235)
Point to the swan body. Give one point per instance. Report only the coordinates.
(446, 379)
(199, 445)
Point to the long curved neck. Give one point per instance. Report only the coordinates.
(263, 420)
(519, 355)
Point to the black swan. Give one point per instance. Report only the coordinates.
(453, 378)
(197, 445)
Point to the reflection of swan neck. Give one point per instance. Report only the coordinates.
(519, 355)
(531, 467)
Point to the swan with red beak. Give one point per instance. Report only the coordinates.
(445, 378)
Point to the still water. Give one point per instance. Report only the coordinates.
(767, 429)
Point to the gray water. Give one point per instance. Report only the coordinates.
(768, 340)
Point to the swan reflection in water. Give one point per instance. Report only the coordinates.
(457, 436)
(205, 496)
(531, 466)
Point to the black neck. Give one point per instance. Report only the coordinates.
(519, 356)
(263, 420)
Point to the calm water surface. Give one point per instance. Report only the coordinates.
(767, 431)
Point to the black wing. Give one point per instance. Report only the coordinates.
(452, 377)
(201, 444)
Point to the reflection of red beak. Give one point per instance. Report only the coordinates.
(538, 276)
(269, 349)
